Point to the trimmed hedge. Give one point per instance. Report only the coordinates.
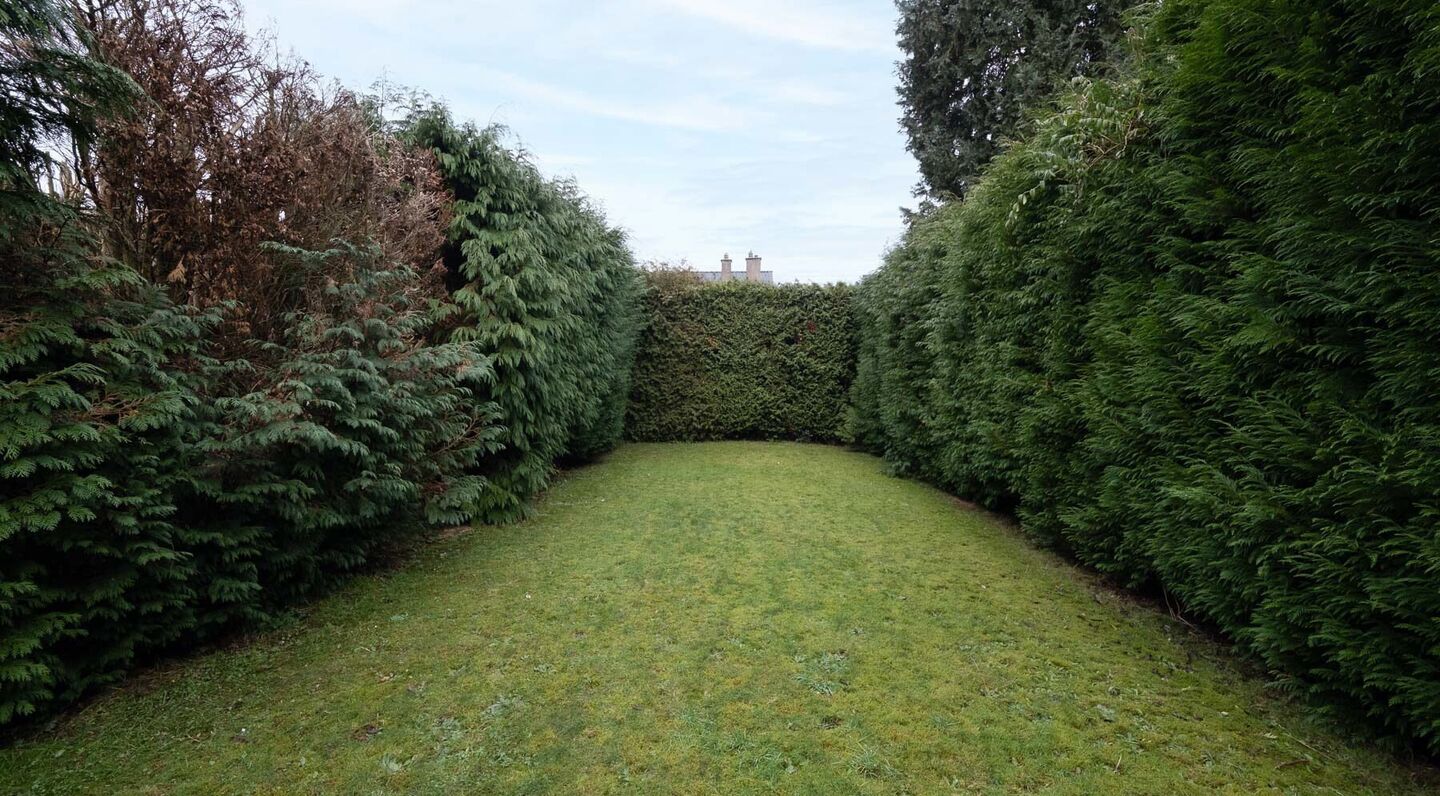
(362, 435)
(1188, 328)
(743, 361)
(155, 497)
(550, 292)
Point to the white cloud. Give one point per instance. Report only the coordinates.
(799, 137)
(696, 112)
(805, 93)
(737, 124)
(637, 56)
(559, 161)
(793, 21)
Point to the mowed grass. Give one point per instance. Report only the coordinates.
(718, 618)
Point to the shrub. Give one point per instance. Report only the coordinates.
(1184, 326)
(548, 291)
(144, 508)
(168, 472)
(91, 405)
(746, 361)
(360, 436)
(93, 570)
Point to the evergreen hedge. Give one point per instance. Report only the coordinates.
(743, 361)
(1188, 329)
(150, 504)
(550, 292)
(165, 476)
(94, 424)
(360, 435)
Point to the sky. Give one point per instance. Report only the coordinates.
(702, 127)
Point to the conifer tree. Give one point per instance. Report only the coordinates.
(973, 73)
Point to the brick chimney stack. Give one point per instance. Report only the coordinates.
(725, 268)
(752, 268)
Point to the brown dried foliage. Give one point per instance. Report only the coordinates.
(237, 146)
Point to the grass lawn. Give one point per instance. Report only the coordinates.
(716, 618)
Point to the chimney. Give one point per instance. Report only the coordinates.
(752, 268)
(725, 267)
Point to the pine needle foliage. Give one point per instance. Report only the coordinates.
(549, 292)
(1187, 329)
(743, 361)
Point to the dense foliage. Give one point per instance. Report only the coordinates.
(230, 368)
(93, 568)
(743, 361)
(973, 72)
(1188, 328)
(85, 404)
(360, 432)
(550, 291)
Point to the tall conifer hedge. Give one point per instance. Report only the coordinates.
(550, 291)
(168, 472)
(94, 426)
(743, 361)
(1188, 329)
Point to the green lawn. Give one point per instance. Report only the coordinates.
(716, 618)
